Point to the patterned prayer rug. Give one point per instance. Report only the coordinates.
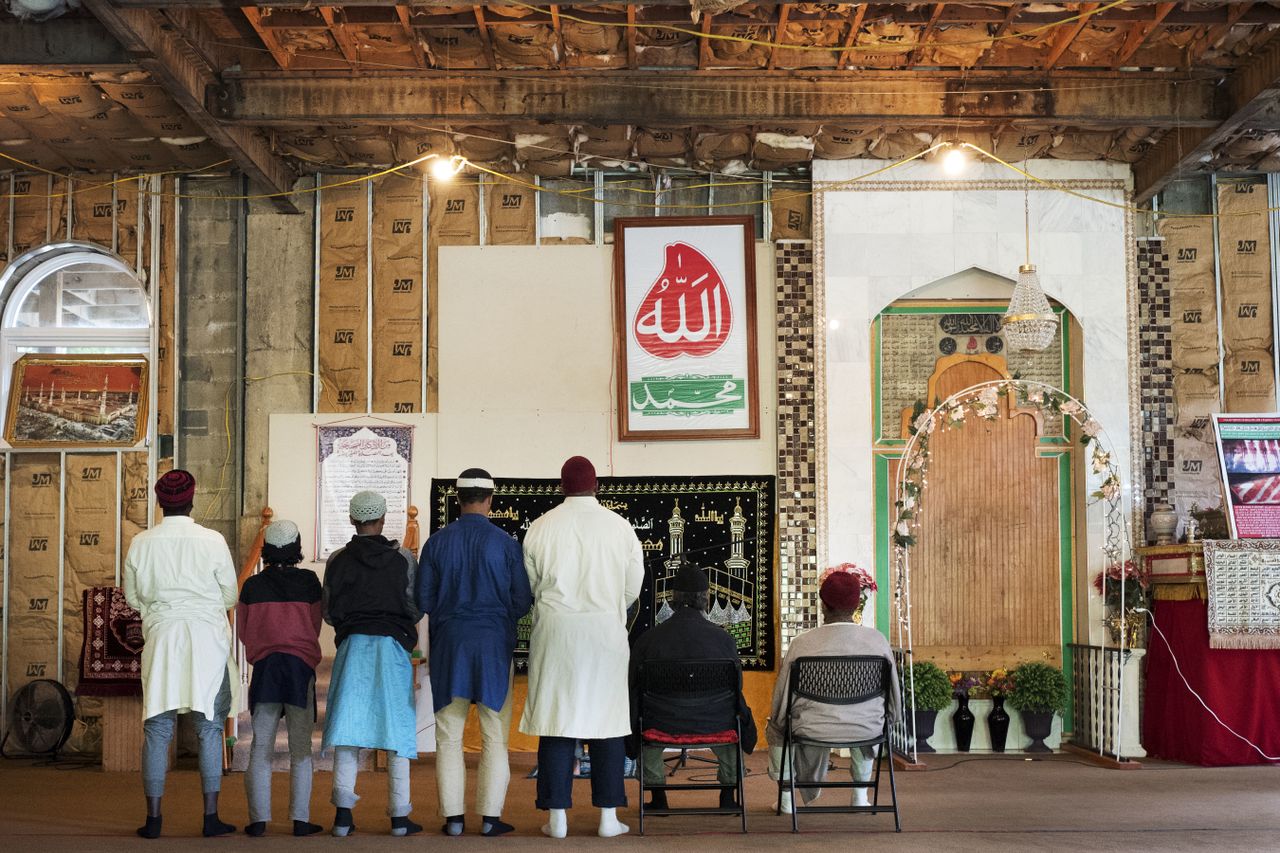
(1244, 593)
(724, 524)
(111, 662)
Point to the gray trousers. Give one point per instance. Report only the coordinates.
(655, 770)
(299, 723)
(157, 734)
(346, 764)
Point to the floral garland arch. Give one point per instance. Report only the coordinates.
(983, 401)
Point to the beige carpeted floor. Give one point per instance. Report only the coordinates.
(959, 803)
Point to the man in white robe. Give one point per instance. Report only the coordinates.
(586, 568)
(182, 580)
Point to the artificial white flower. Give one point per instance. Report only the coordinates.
(903, 529)
(924, 423)
(1091, 428)
(908, 502)
(1036, 396)
(989, 396)
(1072, 408)
(957, 414)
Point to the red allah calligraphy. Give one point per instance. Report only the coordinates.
(687, 311)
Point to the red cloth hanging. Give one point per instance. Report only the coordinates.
(1241, 685)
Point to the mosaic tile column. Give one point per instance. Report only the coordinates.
(1155, 366)
(797, 448)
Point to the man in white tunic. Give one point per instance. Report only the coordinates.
(586, 568)
(181, 578)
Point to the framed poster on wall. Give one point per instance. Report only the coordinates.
(1249, 456)
(685, 323)
(79, 400)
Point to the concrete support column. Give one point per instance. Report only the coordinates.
(278, 332)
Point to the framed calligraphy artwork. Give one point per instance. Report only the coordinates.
(354, 459)
(685, 321)
(723, 524)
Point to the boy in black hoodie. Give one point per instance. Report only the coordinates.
(369, 600)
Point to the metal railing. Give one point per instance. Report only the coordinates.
(1097, 697)
(903, 735)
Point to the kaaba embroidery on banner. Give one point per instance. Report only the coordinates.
(724, 525)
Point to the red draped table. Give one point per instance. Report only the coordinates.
(1241, 685)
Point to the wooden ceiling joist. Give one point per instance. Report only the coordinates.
(929, 30)
(338, 29)
(717, 99)
(282, 57)
(405, 17)
(851, 38)
(1001, 32)
(1067, 34)
(779, 34)
(174, 65)
(1139, 33)
(1251, 92)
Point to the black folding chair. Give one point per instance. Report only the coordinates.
(700, 684)
(838, 680)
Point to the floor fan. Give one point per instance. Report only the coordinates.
(40, 718)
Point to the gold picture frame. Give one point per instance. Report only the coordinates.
(76, 401)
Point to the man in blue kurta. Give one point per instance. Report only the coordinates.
(473, 587)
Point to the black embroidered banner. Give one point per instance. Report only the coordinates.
(723, 524)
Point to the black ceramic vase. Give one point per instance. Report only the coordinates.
(925, 721)
(962, 721)
(1038, 726)
(998, 724)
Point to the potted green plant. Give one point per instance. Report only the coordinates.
(932, 694)
(1039, 692)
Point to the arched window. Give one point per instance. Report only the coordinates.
(70, 298)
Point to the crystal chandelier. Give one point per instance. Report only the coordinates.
(1029, 323)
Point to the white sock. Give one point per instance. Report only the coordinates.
(862, 796)
(786, 802)
(610, 825)
(557, 825)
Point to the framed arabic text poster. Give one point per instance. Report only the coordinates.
(77, 401)
(686, 321)
(354, 459)
(1249, 453)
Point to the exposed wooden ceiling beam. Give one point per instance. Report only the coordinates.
(704, 45)
(1251, 92)
(1214, 33)
(1067, 35)
(927, 34)
(76, 44)
(784, 11)
(282, 57)
(406, 24)
(1139, 33)
(555, 25)
(218, 4)
(173, 64)
(851, 38)
(486, 39)
(631, 36)
(338, 29)
(729, 98)
(1001, 31)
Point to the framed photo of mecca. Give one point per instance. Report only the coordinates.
(685, 325)
(77, 401)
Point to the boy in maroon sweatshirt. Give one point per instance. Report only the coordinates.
(278, 618)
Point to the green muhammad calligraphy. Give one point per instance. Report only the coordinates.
(688, 395)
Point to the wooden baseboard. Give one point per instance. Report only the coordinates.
(1101, 760)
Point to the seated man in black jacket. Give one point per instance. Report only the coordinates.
(688, 635)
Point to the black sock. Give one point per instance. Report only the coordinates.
(404, 826)
(213, 826)
(302, 827)
(727, 798)
(658, 800)
(343, 824)
(454, 824)
(152, 827)
(257, 829)
(494, 826)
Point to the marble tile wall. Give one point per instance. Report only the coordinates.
(1155, 371)
(879, 239)
(797, 450)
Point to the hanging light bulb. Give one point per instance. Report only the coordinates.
(1029, 323)
(955, 160)
(444, 169)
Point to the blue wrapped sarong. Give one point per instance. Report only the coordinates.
(371, 697)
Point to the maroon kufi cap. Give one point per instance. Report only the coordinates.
(175, 489)
(841, 591)
(577, 476)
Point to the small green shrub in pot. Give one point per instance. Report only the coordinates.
(1038, 687)
(933, 688)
